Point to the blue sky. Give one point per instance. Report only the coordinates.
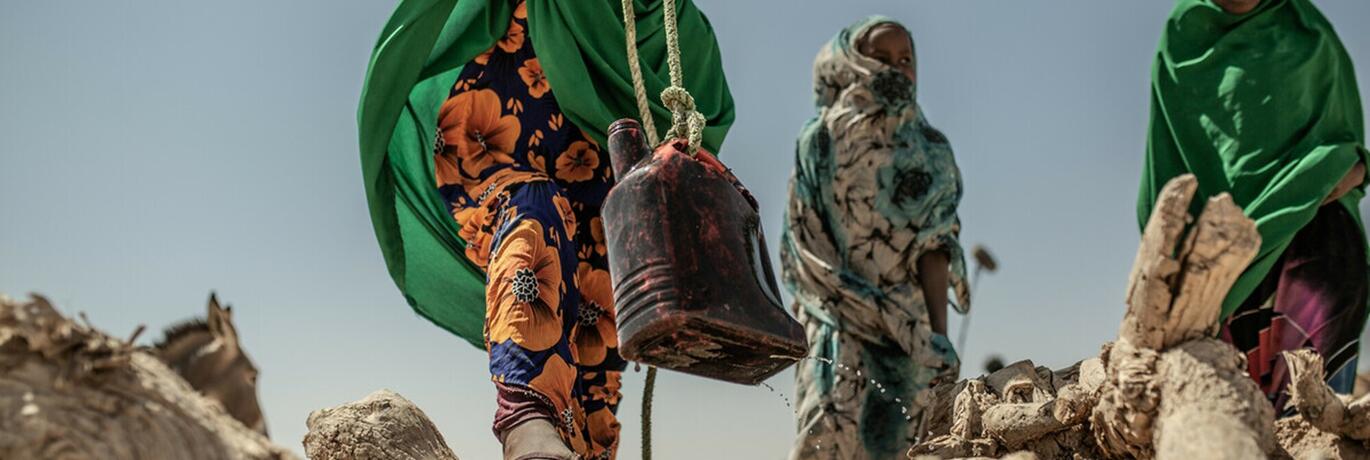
(152, 151)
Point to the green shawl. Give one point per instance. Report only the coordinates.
(1262, 105)
(419, 55)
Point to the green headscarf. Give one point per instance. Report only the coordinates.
(1262, 105)
(421, 51)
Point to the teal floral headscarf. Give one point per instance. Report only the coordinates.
(878, 181)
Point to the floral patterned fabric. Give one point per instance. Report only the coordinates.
(874, 188)
(526, 187)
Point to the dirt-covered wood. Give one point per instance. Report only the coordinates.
(1300, 440)
(381, 426)
(1010, 410)
(1210, 408)
(1326, 410)
(68, 391)
(1165, 389)
(1149, 292)
(1163, 373)
(1016, 424)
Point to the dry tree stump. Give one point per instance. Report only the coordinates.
(70, 392)
(381, 426)
(1165, 389)
(1171, 390)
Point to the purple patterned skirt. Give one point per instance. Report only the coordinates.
(1315, 297)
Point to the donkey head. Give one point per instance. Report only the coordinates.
(207, 354)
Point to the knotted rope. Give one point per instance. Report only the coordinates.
(686, 122)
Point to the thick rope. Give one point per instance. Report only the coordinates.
(686, 122)
(647, 413)
(644, 107)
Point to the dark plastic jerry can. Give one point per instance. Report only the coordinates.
(693, 284)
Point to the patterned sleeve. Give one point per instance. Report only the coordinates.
(810, 259)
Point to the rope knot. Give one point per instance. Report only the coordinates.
(677, 99)
(686, 122)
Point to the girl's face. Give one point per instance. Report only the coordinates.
(891, 44)
(1238, 6)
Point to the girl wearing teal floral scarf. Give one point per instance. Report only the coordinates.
(870, 249)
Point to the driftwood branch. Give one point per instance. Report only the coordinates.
(1149, 291)
(1163, 344)
(1165, 388)
(1317, 403)
(1210, 408)
(1218, 250)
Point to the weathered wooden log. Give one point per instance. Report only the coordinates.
(68, 391)
(969, 410)
(1122, 420)
(1075, 401)
(1163, 367)
(1011, 409)
(381, 426)
(1020, 382)
(1324, 409)
(1217, 251)
(1165, 388)
(1016, 424)
(1210, 408)
(1149, 290)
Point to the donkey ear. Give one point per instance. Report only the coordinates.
(220, 320)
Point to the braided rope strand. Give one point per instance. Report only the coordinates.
(686, 122)
(672, 43)
(644, 107)
(647, 413)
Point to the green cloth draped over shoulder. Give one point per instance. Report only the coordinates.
(1262, 105)
(419, 54)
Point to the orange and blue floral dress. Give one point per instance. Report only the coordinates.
(526, 186)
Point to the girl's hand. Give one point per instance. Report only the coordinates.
(934, 273)
(1353, 179)
(951, 363)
